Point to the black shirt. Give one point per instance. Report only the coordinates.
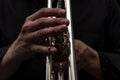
(95, 22)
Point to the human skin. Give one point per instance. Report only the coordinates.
(28, 44)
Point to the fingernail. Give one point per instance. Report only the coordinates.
(61, 11)
(64, 26)
(65, 21)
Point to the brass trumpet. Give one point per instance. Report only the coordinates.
(72, 72)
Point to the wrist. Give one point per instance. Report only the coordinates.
(8, 65)
(10, 57)
(93, 64)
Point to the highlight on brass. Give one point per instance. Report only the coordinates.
(62, 38)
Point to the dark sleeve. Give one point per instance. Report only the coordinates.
(110, 66)
(3, 50)
(110, 58)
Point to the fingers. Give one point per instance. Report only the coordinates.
(47, 12)
(40, 26)
(44, 23)
(43, 49)
(42, 33)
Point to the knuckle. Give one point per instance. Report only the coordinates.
(28, 18)
(26, 26)
(42, 10)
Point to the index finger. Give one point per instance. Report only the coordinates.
(47, 12)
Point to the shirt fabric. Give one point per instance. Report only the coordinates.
(95, 22)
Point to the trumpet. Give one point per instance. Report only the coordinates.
(72, 70)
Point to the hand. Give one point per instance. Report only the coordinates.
(85, 55)
(30, 41)
(87, 59)
(36, 28)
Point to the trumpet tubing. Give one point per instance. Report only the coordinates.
(57, 40)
